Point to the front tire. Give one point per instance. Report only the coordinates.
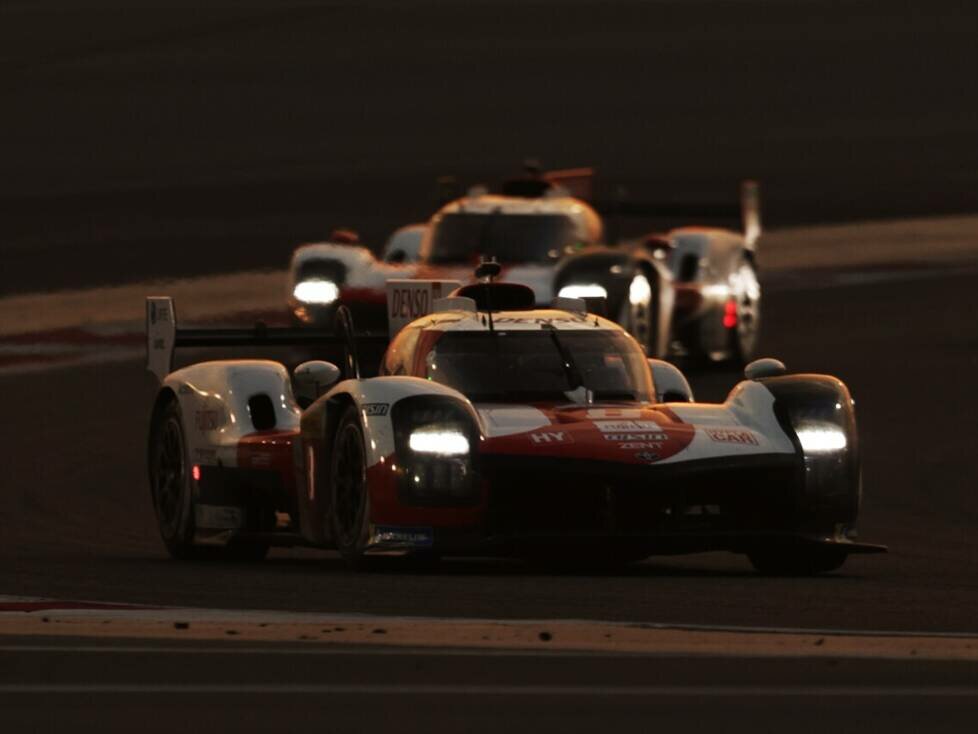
(349, 506)
(747, 308)
(641, 312)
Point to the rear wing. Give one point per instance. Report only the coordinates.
(581, 184)
(747, 211)
(163, 336)
(407, 300)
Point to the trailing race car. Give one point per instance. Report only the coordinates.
(497, 428)
(691, 292)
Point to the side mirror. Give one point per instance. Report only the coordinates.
(311, 379)
(766, 367)
(670, 384)
(404, 246)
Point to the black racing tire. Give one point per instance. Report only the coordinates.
(349, 500)
(169, 477)
(802, 561)
(744, 336)
(172, 494)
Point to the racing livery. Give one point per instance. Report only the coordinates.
(688, 292)
(497, 428)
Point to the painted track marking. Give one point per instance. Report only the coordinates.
(718, 691)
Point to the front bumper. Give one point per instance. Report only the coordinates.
(730, 505)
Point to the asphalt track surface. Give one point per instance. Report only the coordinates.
(162, 687)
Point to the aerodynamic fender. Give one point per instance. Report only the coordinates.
(374, 399)
(222, 401)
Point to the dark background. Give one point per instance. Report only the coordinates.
(140, 141)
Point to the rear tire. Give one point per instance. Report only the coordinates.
(797, 561)
(173, 496)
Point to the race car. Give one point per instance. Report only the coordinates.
(496, 428)
(690, 292)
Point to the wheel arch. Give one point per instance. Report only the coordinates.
(164, 398)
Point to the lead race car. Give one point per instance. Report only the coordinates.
(689, 292)
(496, 428)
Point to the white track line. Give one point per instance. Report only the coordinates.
(712, 691)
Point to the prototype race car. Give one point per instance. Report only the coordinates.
(690, 292)
(496, 428)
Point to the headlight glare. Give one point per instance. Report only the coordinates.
(821, 438)
(583, 290)
(439, 442)
(317, 292)
(640, 290)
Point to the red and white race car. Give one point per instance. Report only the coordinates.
(691, 291)
(496, 427)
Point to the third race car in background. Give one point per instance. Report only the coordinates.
(690, 291)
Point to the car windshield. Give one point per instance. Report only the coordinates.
(512, 366)
(510, 238)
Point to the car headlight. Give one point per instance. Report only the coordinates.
(439, 441)
(821, 438)
(640, 290)
(436, 439)
(583, 290)
(316, 292)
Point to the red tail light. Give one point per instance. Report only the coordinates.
(730, 314)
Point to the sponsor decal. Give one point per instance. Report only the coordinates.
(732, 435)
(408, 300)
(626, 426)
(614, 413)
(647, 456)
(633, 445)
(207, 420)
(411, 303)
(636, 437)
(375, 409)
(537, 319)
(551, 437)
(394, 535)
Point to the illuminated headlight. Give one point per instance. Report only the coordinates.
(318, 292)
(640, 291)
(821, 439)
(440, 442)
(583, 290)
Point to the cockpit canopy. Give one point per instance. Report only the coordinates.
(528, 365)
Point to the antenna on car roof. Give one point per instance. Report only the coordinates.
(485, 272)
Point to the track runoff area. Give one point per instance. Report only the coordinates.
(102, 662)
